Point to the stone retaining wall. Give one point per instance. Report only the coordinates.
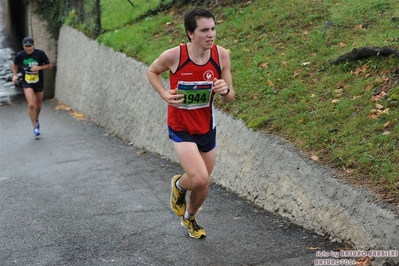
(112, 90)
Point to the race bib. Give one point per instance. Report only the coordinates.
(196, 94)
(32, 77)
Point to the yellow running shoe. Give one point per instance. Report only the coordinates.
(194, 230)
(177, 198)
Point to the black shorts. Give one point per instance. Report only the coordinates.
(205, 142)
(27, 86)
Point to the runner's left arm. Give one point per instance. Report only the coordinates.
(225, 84)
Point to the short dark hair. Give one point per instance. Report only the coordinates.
(191, 17)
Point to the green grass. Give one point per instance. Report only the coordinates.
(285, 86)
(117, 14)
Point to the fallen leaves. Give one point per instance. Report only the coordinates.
(61, 106)
(77, 115)
(315, 158)
(379, 96)
(270, 83)
(358, 70)
(369, 87)
(378, 111)
(284, 64)
(297, 72)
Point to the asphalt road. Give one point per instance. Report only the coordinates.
(78, 195)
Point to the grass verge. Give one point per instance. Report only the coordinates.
(345, 116)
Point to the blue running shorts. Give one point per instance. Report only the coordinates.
(205, 142)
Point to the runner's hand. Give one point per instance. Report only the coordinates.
(172, 98)
(220, 86)
(35, 68)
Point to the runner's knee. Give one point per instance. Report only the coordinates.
(199, 181)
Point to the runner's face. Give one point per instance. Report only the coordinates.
(29, 49)
(205, 33)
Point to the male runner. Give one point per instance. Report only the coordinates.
(31, 62)
(191, 123)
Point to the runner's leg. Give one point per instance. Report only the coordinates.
(38, 103)
(198, 167)
(30, 98)
(34, 100)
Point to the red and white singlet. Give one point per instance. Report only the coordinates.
(200, 120)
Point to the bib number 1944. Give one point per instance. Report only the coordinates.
(196, 94)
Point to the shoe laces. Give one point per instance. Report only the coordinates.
(193, 224)
(181, 198)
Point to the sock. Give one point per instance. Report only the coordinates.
(187, 215)
(178, 186)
